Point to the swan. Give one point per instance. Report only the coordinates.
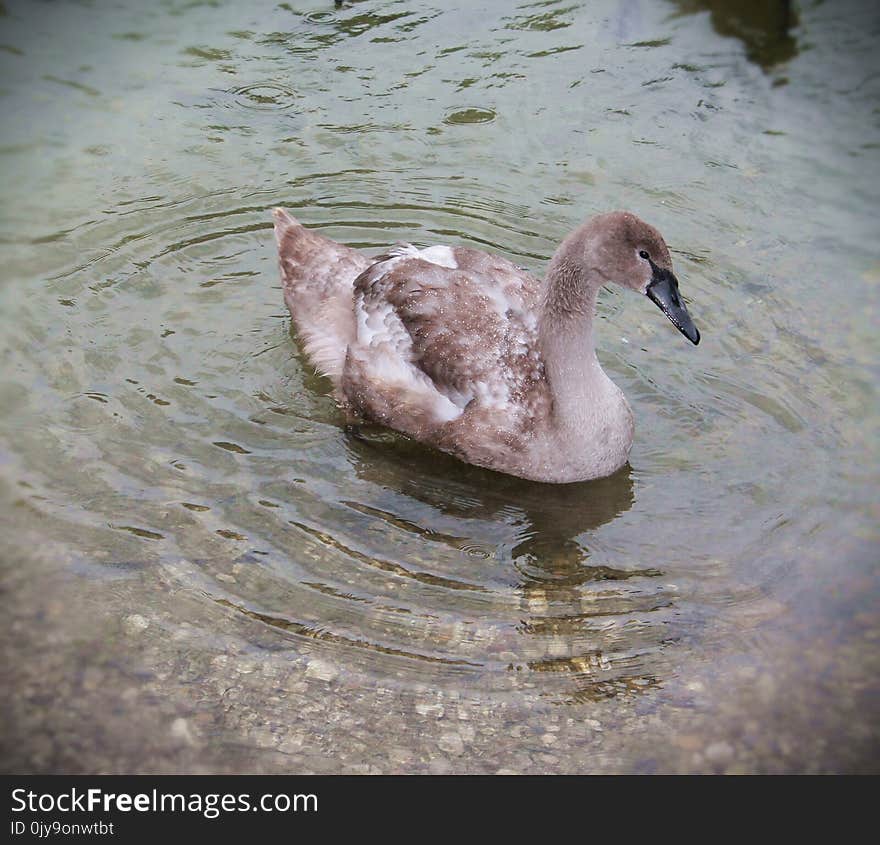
(466, 352)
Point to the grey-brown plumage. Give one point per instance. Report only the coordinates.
(467, 352)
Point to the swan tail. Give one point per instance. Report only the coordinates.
(317, 278)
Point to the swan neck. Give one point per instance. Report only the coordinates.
(576, 379)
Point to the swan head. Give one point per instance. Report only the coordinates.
(625, 250)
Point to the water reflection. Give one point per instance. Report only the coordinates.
(592, 627)
(764, 26)
(548, 516)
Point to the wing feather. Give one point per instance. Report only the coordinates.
(454, 324)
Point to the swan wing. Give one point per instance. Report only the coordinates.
(441, 330)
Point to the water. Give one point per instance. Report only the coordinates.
(202, 571)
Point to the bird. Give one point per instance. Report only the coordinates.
(468, 353)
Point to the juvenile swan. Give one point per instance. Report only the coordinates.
(469, 353)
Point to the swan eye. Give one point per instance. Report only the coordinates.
(644, 254)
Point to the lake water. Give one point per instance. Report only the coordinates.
(203, 571)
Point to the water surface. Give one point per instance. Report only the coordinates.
(203, 571)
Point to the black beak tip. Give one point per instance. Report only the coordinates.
(663, 292)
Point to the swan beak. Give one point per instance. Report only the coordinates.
(662, 290)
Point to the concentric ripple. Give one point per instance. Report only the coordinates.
(223, 459)
(265, 96)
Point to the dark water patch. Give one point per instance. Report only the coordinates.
(193, 507)
(231, 447)
(143, 533)
(468, 116)
(658, 42)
